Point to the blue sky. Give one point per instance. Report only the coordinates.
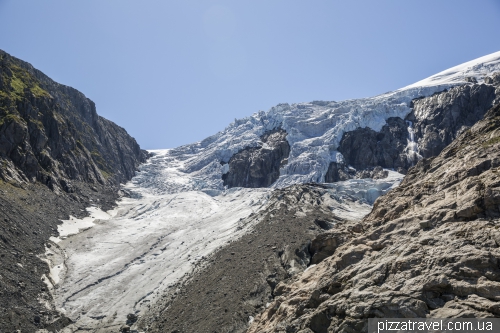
(175, 72)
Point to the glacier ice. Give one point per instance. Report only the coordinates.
(179, 211)
(411, 149)
(314, 130)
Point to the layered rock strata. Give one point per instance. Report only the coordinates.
(429, 248)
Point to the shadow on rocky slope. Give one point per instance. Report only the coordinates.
(51, 133)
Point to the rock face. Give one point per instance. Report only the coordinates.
(51, 133)
(57, 157)
(460, 184)
(258, 166)
(493, 79)
(429, 248)
(440, 119)
(365, 148)
(338, 172)
(433, 124)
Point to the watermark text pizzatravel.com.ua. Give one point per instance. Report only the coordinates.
(433, 325)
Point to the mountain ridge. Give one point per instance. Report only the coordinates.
(44, 124)
(57, 158)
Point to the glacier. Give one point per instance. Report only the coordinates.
(314, 129)
(176, 211)
(124, 260)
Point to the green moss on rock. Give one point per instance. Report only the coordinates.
(491, 142)
(11, 118)
(19, 80)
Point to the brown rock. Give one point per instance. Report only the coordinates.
(429, 248)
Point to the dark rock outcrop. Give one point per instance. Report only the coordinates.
(493, 79)
(429, 248)
(258, 166)
(441, 118)
(435, 121)
(364, 148)
(338, 172)
(376, 173)
(51, 133)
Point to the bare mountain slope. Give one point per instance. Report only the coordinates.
(429, 248)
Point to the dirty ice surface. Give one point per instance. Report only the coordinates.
(74, 225)
(353, 199)
(129, 256)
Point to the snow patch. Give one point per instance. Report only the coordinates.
(75, 225)
(478, 68)
(353, 199)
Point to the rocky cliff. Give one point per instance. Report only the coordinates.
(258, 166)
(429, 248)
(433, 123)
(57, 157)
(51, 133)
(440, 119)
